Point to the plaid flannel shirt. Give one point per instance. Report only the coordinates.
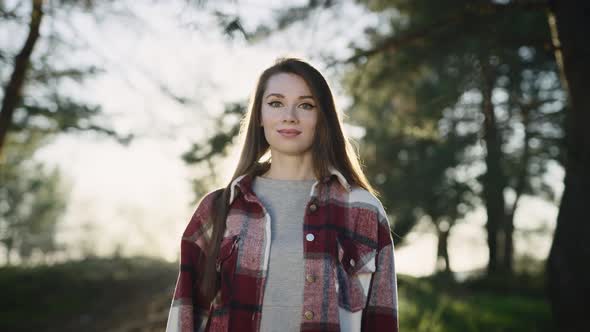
(351, 283)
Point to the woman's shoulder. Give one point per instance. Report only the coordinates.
(362, 197)
(207, 200)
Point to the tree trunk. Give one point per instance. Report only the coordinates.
(13, 89)
(568, 270)
(493, 187)
(8, 247)
(442, 249)
(508, 254)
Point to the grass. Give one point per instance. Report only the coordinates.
(133, 294)
(80, 295)
(433, 305)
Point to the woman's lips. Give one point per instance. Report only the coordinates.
(289, 133)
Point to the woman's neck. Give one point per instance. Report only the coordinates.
(290, 168)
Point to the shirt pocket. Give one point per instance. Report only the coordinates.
(226, 268)
(354, 270)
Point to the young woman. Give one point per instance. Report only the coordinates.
(298, 242)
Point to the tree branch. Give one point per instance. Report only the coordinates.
(13, 89)
(395, 42)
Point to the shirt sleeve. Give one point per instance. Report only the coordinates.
(189, 311)
(381, 311)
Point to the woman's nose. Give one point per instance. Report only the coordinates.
(290, 114)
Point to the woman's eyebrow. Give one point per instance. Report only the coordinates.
(281, 96)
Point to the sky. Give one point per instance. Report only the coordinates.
(137, 199)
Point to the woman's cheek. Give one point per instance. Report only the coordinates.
(267, 118)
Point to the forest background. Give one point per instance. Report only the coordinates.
(469, 118)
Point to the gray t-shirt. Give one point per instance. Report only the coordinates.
(285, 201)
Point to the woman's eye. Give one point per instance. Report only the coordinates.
(275, 104)
(308, 107)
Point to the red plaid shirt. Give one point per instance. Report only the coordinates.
(350, 285)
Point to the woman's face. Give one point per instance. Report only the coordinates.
(289, 114)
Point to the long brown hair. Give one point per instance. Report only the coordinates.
(329, 148)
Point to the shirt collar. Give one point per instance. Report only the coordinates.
(244, 182)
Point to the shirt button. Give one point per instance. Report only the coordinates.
(310, 278)
(352, 262)
(308, 315)
(313, 207)
(309, 237)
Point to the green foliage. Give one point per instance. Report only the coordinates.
(418, 91)
(32, 199)
(59, 296)
(412, 147)
(226, 129)
(434, 55)
(428, 304)
(46, 103)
